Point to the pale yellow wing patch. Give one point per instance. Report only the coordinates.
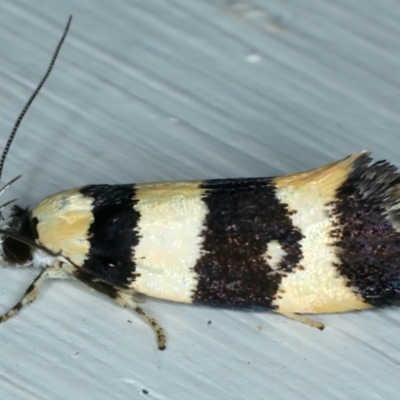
(63, 225)
(172, 216)
(316, 286)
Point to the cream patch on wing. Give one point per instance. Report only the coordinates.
(274, 254)
(172, 216)
(63, 225)
(316, 286)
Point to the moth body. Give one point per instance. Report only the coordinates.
(321, 241)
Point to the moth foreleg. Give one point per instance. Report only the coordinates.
(126, 299)
(30, 295)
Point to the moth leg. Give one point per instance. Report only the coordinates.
(125, 299)
(30, 295)
(304, 320)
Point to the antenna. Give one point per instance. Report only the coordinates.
(34, 94)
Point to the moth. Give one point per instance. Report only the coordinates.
(321, 241)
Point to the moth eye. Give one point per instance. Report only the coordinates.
(16, 252)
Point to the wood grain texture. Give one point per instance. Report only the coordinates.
(177, 90)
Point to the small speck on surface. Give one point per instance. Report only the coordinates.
(253, 57)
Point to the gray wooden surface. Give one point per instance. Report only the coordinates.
(172, 90)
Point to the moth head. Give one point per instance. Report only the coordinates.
(15, 239)
(17, 234)
(14, 230)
